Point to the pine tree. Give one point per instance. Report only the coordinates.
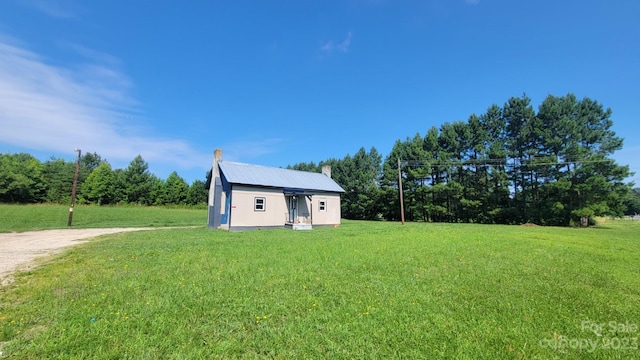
(176, 189)
(137, 182)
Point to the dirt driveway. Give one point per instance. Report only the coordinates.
(18, 250)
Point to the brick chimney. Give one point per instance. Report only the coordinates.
(215, 193)
(326, 170)
(215, 173)
(217, 157)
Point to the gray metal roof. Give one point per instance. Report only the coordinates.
(248, 174)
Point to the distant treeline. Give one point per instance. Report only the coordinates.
(25, 179)
(509, 165)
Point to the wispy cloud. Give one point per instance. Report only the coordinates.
(343, 46)
(247, 150)
(47, 107)
(55, 8)
(92, 55)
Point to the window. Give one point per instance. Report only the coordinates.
(322, 205)
(259, 204)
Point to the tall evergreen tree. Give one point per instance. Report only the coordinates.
(433, 207)
(519, 118)
(358, 176)
(311, 167)
(158, 195)
(58, 175)
(176, 189)
(476, 196)
(198, 193)
(632, 202)
(138, 182)
(389, 182)
(498, 193)
(88, 163)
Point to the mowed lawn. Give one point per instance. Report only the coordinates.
(363, 290)
(42, 217)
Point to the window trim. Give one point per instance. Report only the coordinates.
(322, 205)
(259, 206)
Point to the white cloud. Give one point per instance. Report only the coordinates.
(54, 8)
(46, 107)
(343, 46)
(92, 55)
(251, 149)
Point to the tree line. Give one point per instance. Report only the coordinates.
(25, 179)
(509, 165)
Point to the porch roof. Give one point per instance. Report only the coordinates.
(301, 192)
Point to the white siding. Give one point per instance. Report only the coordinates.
(331, 216)
(242, 207)
(276, 211)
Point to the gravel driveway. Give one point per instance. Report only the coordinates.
(18, 250)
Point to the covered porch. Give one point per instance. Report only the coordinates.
(299, 215)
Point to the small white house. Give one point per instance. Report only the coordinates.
(247, 197)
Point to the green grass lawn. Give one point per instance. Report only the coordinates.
(363, 290)
(41, 217)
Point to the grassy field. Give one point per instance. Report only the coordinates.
(41, 217)
(363, 290)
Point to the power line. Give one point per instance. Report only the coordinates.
(495, 162)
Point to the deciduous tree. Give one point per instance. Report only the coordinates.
(99, 187)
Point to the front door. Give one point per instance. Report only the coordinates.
(293, 208)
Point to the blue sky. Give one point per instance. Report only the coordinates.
(282, 82)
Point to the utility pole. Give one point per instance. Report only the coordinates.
(75, 186)
(400, 190)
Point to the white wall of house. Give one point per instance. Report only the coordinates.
(275, 210)
(329, 214)
(243, 202)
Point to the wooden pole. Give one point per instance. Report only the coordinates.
(73, 188)
(400, 190)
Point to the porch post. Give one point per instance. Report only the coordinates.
(311, 208)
